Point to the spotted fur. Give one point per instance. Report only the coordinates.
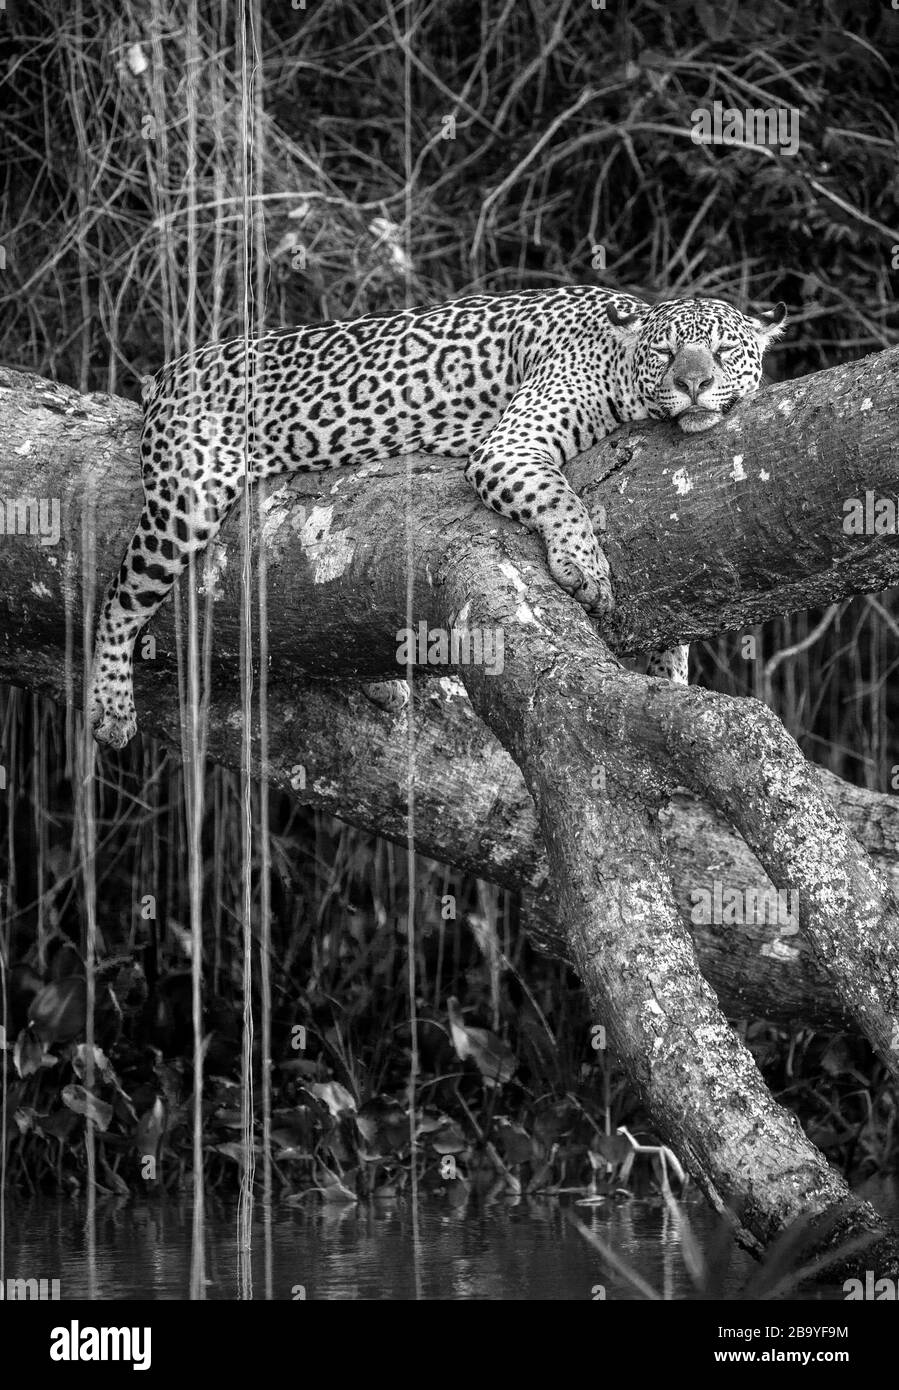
(517, 383)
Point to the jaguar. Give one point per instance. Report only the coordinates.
(514, 384)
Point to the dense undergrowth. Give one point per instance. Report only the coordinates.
(547, 144)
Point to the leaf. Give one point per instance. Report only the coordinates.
(449, 1140)
(182, 938)
(228, 1119)
(368, 1128)
(432, 1125)
(102, 1065)
(334, 1189)
(29, 1055)
(150, 1128)
(85, 1103)
(516, 1144)
(103, 1069)
(300, 1066)
(234, 1151)
(115, 1182)
(336, 1097)
(58, 1013)
(59, 1125)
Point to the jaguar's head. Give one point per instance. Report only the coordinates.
(692, 359)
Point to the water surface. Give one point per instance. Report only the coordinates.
(525, 1249)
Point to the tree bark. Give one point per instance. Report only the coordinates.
(600, 749)
(333, 749)
(472, 808)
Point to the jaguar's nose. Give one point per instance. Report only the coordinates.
(693, 371)
(693, 385)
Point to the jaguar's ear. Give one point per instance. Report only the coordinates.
(626, 325)
(770, 326)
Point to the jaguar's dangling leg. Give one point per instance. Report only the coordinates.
(671, 662)
(179, 519)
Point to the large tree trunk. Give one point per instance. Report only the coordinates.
(331, 747)
(600, 749)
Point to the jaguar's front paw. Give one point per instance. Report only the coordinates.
(112, 718)
(582, 570)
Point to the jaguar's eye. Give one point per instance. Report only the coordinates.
(724, 350)
(663, 351)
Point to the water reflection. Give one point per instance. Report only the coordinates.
(524, 1248)
(510, 1250)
